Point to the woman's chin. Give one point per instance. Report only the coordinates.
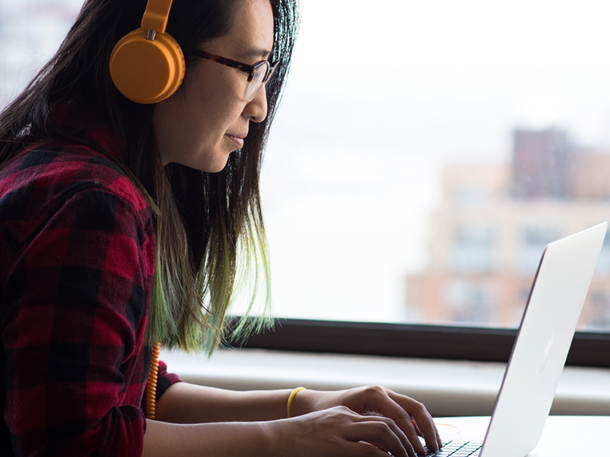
(207, 166)
(216, 167)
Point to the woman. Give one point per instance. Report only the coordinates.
(112, 237)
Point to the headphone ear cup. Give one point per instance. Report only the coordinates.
(147, 71)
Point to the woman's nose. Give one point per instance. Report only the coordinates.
(256, 109)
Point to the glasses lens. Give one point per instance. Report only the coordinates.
(260, 71)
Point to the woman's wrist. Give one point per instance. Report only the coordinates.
(302, 402)
(223, 439)
(291, 399)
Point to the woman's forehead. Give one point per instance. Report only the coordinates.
(253, 28)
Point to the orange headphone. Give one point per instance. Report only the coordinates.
(147, 65)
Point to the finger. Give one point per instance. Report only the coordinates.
(403, 438)
(417, 412)
(432, 435)
(439, 441)
(385, 433)
(438, 438)
(417, 430)
(438, 435)
(362, 448)
(389, 408)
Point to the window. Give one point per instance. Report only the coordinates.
(470, 302)
(30, 32)
(424, 154)
(422, 188)
(533, 240)
(473, 248)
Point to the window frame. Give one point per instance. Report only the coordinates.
(481, 344)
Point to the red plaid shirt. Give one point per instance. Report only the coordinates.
(77, 252)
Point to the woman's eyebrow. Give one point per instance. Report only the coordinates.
(256, 52)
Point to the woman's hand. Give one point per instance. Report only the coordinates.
(339, 432)
(407, 414)
(333, 432)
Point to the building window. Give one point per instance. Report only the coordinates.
(472, 303)
(473, 248)
(533, 240)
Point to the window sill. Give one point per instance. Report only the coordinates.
(446, 387)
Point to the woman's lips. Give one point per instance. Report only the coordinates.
(239, 141)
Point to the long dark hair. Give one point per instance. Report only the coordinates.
(209, 226)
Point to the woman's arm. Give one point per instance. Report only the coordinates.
(190, 404)
(335, 432)
(250, 439)
(186, 403)
(70, 319)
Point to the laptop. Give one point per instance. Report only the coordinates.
(540, 350)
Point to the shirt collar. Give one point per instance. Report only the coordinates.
(76, 121)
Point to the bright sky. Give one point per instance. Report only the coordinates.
(469, 71)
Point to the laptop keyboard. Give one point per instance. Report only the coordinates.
(456, 449)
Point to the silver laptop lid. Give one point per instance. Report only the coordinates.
(542, 343)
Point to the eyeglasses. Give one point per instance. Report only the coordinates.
(258, 74)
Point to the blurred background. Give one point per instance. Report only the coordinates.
(423, 155)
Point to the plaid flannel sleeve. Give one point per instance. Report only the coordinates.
(73, 319)
(165, 380)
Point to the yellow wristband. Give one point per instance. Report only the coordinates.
(294, 392)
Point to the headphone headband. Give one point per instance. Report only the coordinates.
(156, 15)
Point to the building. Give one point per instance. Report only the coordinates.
(488, 234)
(541, 164)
